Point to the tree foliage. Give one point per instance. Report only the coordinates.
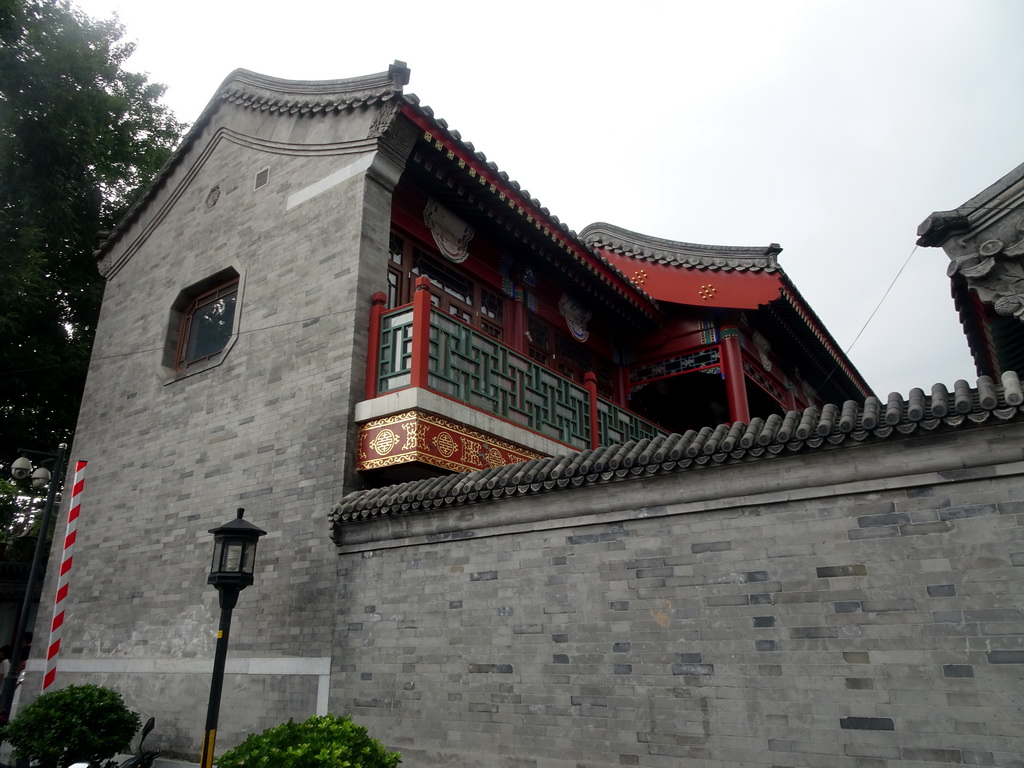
(326, 741)
(78, 723)
(79, 136)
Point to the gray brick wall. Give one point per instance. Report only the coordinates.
(868, 614)
(268, 429)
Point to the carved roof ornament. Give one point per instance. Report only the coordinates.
(576, 317)
(384, 119)
(451, 233)
(996, 272)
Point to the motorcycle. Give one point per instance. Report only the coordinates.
(140, 760)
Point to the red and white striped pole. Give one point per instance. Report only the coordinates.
(57, 625)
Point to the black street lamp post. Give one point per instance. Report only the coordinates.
(234, 559)
(21, 469)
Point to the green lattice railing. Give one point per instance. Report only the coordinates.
(474, 368)
(617, 425)
(394, 369)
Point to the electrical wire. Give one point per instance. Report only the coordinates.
(881, 301)
(873, 313)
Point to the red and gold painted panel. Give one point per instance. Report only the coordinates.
(423, 437)
(698, 287)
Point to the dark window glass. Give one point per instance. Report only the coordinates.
(207, 325)
(538, 331)
(395, 246)
(394, 288)
(449, 281)
(491, 305)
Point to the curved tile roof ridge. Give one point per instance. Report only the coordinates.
(832, 426)
(676, 252)
(247, 88)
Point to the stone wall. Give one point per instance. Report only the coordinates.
(855, 607)
(267, 429)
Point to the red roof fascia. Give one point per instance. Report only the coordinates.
(983, 318)
(683, 284)
(791, 295)
(526, 208)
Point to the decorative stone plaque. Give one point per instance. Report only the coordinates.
(451, 233)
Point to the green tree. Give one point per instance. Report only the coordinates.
(68, 725)
(79, 137)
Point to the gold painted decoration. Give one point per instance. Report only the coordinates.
(384, 442)
(413, 433)
(446, 444)
(707, 292)
(494, 457)
(639, 277)
(435, 441)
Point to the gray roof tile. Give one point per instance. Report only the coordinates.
(681, 254)
(835, 426)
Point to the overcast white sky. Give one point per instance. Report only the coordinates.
(832, 128)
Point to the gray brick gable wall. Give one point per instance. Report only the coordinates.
(268, 428)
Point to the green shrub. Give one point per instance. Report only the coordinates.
(319, 742)
(79, 723)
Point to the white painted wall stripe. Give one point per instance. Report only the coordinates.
(319, 667)
(333, 180)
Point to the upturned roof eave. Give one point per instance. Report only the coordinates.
(678, 254)
(681, 253)
(792, 297)
(987, 204)
(531, 210)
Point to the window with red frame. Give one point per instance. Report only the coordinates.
(206, 325)
(452, 289)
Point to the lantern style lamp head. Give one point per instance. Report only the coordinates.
(234, 556)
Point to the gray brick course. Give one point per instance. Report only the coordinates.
(718, 637)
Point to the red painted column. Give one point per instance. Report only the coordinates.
(517, 327)
(590, 382)
(421, 333)
(790, 396)
(732, 369)
(623, 385)
(378, 302)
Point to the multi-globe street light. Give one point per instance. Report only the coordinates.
(21, 469)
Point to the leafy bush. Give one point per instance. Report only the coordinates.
(79, 723)
(319, 742)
